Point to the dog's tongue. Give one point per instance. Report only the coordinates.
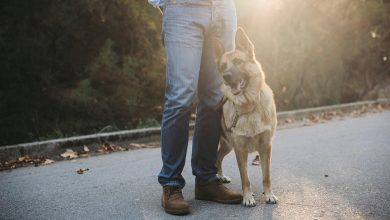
(236, 89)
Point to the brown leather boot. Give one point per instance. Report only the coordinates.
(173, 202)
(217, 192)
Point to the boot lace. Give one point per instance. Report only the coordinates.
(175, 193)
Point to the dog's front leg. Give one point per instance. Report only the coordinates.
(223, 150)
(265, 157)
(242, 159)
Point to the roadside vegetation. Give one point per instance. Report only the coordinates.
(87, 66)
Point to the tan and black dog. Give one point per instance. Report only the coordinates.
(249, 114)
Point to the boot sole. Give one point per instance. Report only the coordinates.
(233, 201)
(176, 212)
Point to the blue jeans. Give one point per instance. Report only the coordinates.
(189, 27)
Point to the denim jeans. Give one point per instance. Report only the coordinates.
(189, 27)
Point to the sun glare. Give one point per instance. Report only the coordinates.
(268, 5)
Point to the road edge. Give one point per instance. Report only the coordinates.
(58, 146)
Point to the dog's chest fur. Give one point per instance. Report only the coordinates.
(259, 118)
(247, 124)
(250, 126)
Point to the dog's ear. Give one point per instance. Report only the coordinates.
(243, 43)
(219, 49)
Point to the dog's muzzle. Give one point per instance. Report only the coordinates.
(234, 81)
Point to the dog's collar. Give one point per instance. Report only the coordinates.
(225, 99)
(237, 114)
(235, 119)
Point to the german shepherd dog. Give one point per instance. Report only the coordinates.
(249, 114)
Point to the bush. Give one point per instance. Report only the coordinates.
(79, 67)
(74, 67)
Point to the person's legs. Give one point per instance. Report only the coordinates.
(183, 28)
(183, 32)
(207, 127)
(185, 24)
(181, 81)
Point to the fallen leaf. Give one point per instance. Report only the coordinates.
(379, 107)
(121, 148)
(100, 150)
(82, 170)
(329, 115)
(355, 113)
(288, 120)
(153, 144)
(21, 159)
(48, 161)
(135, 145)
(86, 149)
(25, 159)
(69, 153)
(108, 147)
(105, 148)
(84, 152)
(314, 118)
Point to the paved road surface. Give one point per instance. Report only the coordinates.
(354, 153)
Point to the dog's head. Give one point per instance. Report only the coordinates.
(238, 67)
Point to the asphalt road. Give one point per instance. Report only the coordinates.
(354, 153)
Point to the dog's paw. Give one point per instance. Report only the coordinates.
(271, 198)
(248, 200)
(223, 178)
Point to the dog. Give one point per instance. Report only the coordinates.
(248, 115)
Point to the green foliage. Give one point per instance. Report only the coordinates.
(147, 123)
(84, 66)
(74, 67)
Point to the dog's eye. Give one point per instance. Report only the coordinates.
(237, 61)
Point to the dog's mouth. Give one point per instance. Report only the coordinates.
(237, 88)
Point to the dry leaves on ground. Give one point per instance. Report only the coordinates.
(82, 170)
(380, 107)
(288, 120)
(48, 161)
(147, 145)
(25, 161)
(331, 115)
(69, 153)
(107, 148)
(84, 152)
(135, 145)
